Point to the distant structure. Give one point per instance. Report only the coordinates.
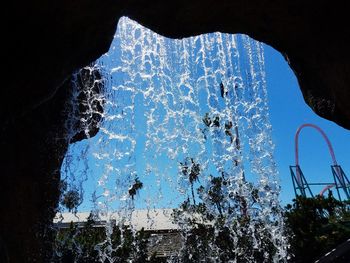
(165, 236)
(303, 188)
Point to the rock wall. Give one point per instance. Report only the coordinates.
(45, 41)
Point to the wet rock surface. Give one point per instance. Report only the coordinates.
(44, 42)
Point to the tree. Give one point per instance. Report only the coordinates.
(137, 185)
(71, 198)
(223, 226)
(210, 234)
(85, 244)
(317, 225)
(191, 169)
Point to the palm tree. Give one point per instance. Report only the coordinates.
(191, 170)
(135, 188)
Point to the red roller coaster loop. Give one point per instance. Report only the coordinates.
(330, 148)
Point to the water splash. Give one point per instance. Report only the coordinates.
(183, 117)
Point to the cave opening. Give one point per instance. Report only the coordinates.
(184, 133)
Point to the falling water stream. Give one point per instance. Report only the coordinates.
(183, 117)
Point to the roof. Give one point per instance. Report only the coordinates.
(153, 219)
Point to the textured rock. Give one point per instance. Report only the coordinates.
(45, 41)
(86, 106)
(30, 177)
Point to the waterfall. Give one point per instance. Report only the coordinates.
(188, 122)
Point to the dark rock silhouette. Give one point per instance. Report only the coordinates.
(44, 42)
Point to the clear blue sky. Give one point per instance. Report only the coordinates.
(287, 112)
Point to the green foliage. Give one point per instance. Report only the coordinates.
(137, 185)
(70, 199)
(191, 169)
(214, 122)
(84, 244)
(207, 120)
(317, 225)
(211, 121)
(210, 236)
(219, 227)
(211, 239)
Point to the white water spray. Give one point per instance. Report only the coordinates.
(171, 105)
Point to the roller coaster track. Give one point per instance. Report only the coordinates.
(338, 173)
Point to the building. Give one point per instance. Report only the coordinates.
(164, 235)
